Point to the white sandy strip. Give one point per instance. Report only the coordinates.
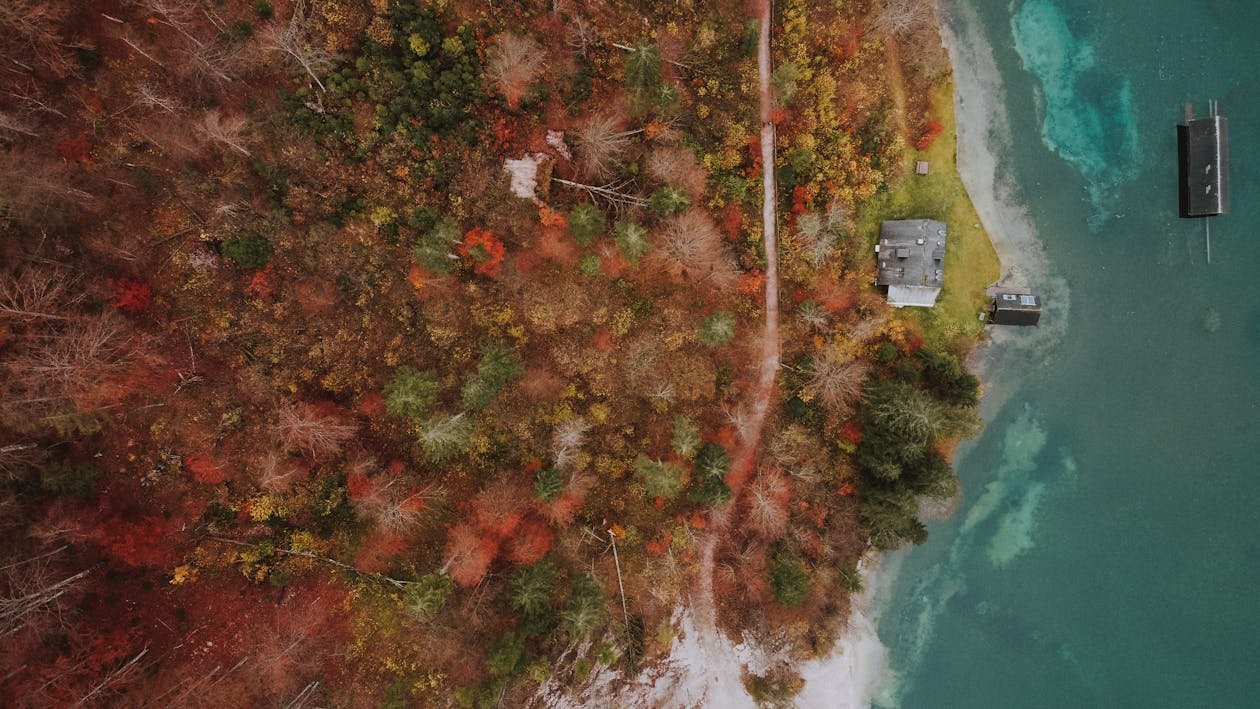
(849, 677)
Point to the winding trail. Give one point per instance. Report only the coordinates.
(757, 407)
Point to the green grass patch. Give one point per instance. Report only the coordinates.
(971, 264)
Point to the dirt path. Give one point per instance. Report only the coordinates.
(757, 406)
(897, 86)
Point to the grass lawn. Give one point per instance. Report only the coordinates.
(971, 264)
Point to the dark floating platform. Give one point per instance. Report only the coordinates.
(1203, 149)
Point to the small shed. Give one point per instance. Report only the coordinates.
(1203, 149)
(1015, 306)
(910, 259)
(921, 167)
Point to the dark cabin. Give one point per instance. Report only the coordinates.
(1012, 306)
(1203, 149)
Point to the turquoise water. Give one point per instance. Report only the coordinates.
(1108, 551)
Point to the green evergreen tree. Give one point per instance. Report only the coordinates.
(443, 437)
(661, 479)
(498, 366)
(411, 394)
(668, 200)
(686, 437)
(631, 240)
(717, 328)
(585, 611)
(788, 579)
(586, 221)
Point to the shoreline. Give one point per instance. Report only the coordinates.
(983, 133)
(1004, 354)
(857, 672)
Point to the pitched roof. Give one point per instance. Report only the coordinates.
(911, 253)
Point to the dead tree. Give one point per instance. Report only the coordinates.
(29, 33)
(291, 38)
(228, 131)
(303, 427)
(901, 18)
(514, 63)
(34, 294)
(30, 591)
(600, 142)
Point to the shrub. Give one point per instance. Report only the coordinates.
(631, 240)
(717, 328)
(251, 251)
(788, 579)
(586, 222)
(264, 9)
(668, 200)
(411, 394)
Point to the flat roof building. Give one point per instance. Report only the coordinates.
(910, 259)
(1014, 306)
(1203, 148)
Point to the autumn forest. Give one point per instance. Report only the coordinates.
(399, 352)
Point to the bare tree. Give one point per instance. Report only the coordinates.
(600, 142)
(32, 587)
(581, 33)
(74, 363)
(34, 294)
(301, 426)
(901, 18)
(676, 165)
(836, 382)
(768, 497)
(229, 131)
(29, 32)
(690, 245)
(37, 190)
(514, 63)
(291, 38)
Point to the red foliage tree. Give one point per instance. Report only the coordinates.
(75, 149)
(470, 554)
(851, 432)
(377, 550)
(132, 296)
(205, 470)
(530, 543)
(135, 542)
(484, 250)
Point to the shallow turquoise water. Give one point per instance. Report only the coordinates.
(1108, 552)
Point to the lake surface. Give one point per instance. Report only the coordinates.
(1107, 553)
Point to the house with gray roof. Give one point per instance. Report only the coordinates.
(911, 261)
